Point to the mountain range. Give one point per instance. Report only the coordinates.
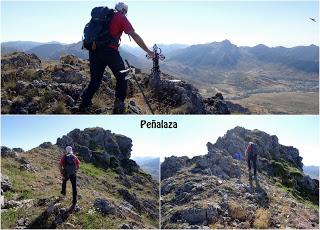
(312, 171)
(261, 78)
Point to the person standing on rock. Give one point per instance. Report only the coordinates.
(108, 55)
(69, 165)
(251, 157)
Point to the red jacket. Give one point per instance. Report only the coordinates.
(75, 159)
(119, 24)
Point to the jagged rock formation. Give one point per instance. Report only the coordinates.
(112, 190)
(31, 86)
(215, 191)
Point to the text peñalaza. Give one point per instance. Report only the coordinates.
(158, 124)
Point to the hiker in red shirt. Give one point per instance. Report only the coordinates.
(251, 157)
(108, 55)
(69, 165)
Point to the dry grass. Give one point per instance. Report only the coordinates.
(262, 218)
(237, 211)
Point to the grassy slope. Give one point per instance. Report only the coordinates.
(92, 183)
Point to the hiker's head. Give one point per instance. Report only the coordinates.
(122, 7)
(251, 143)
(69, 150)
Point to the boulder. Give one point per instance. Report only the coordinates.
(69, 60)
(216, 105)
(104, 206)
(6, 185)
(132, 199)
(199, 215)
(72, 77)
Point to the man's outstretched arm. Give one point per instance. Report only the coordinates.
(136, 37)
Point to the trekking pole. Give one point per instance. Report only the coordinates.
(131, 70)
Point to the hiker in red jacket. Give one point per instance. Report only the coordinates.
(108, 55)
(251, 157)
(69, 165)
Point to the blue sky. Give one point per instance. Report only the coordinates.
(249, 23)
(190, 138)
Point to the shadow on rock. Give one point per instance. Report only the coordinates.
(51, 217)
(260, 195)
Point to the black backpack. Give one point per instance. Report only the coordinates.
(69, 165)
(95, 33)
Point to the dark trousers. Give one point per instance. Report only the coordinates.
(252, 159)
(73, 180)
(99, 60)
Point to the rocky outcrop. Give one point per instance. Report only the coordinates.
(219, 164)
(268, 146)
(179, 97)
(216, 189)
(102, 148)
(30, 88)
(171, 165)
(97, 139)
(46, 145)
(20, 60)
(7, 152)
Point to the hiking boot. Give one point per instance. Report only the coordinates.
(119, 107)
(75, 208)
(80, 107)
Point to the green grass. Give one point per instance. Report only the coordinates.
(90, 170)
(96, 220)
(9, 218)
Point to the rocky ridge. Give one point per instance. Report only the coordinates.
(113, 192)
(214, 190)
(31, 86)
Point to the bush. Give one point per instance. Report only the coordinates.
(60, 108)
(237, 212)
(262, 219)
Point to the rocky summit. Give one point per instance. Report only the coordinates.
(113, 191)
(34, 86)
(215, 191)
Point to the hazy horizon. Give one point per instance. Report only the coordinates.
(134, 45)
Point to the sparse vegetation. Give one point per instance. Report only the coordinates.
(60, 108)
(262, 219)
(237, 211)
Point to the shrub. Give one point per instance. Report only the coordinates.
(60, 108)
(262, 219)
(236, 211)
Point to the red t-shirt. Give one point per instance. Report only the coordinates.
(119, 24)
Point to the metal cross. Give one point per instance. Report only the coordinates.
(158, 56)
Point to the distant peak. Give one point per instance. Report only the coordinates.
(226, 41)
